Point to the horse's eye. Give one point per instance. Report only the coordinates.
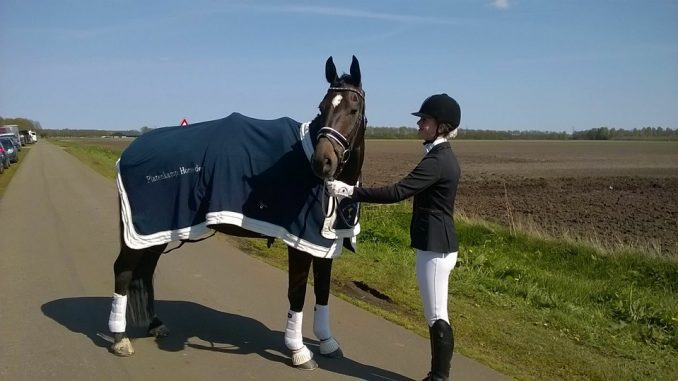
(354, 111)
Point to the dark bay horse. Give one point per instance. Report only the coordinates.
(183, 197)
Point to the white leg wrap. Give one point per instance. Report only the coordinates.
(301, 356)
(328, 346)
(116, 321)
(293, 337)
(321, 322)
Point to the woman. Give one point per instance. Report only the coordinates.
(433, 183)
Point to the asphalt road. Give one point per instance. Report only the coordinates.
(226, 310)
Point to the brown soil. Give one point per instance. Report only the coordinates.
(608, 192)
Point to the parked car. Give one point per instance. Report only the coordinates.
(10, 149)
(16, 142)
(4, 159)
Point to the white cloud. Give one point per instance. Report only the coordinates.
(501, 4)
(345, 12)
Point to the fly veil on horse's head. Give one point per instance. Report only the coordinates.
(340, 126)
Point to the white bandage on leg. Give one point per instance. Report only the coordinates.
(293, 338)
(321, 322)
(116, 321)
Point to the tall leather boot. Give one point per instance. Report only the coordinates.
(442, 345)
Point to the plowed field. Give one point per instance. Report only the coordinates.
(607, 191)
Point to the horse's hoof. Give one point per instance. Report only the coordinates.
(334, 355)
(330, 348)
(303, 359)
(122, 348)
(159, 331)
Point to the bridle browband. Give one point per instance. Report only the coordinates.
(332, 134)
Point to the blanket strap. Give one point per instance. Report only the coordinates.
(183, 241)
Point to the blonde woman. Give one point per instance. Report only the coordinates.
(433, 184)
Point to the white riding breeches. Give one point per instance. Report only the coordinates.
(433, 274)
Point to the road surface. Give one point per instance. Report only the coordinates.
(227, 310)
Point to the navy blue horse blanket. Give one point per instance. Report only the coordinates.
(176, 182)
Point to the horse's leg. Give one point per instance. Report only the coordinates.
(133, 274)
(145, 272)
(322, 273)
(123, 269)
(299, 264)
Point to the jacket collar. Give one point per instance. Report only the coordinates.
(429, 146)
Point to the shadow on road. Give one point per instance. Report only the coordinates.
(196, 326)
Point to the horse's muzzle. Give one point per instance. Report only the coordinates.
(324, 161)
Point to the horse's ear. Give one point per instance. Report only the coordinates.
(355, 71)
(331, 71)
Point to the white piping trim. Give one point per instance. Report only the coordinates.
(305, 137)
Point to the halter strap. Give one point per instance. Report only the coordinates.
(360, 93)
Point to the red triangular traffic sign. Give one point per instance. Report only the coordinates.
(184, 122)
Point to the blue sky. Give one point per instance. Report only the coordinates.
(512, 65)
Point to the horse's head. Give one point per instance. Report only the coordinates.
(341, 132)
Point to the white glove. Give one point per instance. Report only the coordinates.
(339, 189)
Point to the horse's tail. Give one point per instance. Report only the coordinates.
(139, 311)
(140, 294)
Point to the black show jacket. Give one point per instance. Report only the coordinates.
(433, 183)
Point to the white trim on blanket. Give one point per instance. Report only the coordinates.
(271, 230)
(306, 142)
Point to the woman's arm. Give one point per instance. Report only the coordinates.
(422, 176)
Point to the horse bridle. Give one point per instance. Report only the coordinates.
(344, 142)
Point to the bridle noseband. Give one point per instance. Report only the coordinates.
(343, 142)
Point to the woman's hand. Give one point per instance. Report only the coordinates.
(339, 189)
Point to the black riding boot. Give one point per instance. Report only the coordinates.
(442, 347)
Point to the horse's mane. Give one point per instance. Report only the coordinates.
(344, 79)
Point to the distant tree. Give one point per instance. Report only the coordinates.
(145, 129)
(23, 123)
(645, 133)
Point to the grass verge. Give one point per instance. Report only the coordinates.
(8, 174)
(101, 158)
(530, 307)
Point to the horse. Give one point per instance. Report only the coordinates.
(331, 146)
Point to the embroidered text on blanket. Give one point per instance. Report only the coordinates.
(168, 175)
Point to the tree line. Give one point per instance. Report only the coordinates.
(646, 133)
(23, 123)
(602, 133)
(373, 132)
(69, 133)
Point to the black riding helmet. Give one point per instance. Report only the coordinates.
(442, 108)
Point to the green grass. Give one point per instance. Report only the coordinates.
(7, 176)
(530, 307)
(100, 158)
